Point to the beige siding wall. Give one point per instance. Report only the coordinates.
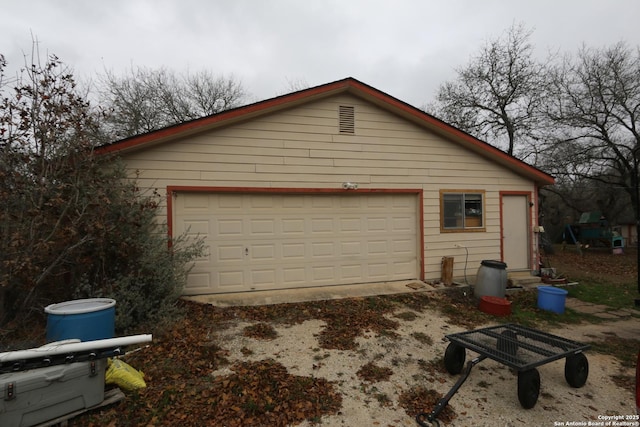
(301, 148)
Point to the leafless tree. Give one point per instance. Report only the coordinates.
(496, 96)
(596, 110)
(73, 224)
(294, 85)
(145, 99)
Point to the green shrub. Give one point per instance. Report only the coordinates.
(135, 263)
(72, 223)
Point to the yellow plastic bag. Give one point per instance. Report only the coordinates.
(123, 375)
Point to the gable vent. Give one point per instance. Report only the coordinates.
(347, 119)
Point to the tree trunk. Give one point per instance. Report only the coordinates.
(638, 256)
(447, 271)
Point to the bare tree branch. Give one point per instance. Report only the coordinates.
(497, 96)
(147, 100)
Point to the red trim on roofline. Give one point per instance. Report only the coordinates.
(235, 113)
(349, 84)
(173, 189)
(453, 131)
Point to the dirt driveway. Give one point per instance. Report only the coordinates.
(414, 356)
(362, 361)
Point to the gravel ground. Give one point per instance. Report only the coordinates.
(488, 398)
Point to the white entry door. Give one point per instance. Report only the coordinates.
(277, 241)
(515, 231)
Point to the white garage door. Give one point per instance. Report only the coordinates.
(279, 241)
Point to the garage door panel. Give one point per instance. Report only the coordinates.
(403, 224)
(350, 225)
(202, 263)
(229, 280)
(294, 203)
(379, 271)
(262, 227)
(322, 202)
(229, 227)
(293, 251)
(197, 204)
(350, 203)
(294, 276)
(198, 281)
(351, 272)
(323, 274)
(292, 227)
(265, 202)
(228, 253)
(264, 252)
(223, 201)
(403, 247)
(376, 225)
(377, 248)
(260, 278)
(351, 248)
(195, 228)
(322, 249)
(269, 241)
(322, 226)
(400, 267)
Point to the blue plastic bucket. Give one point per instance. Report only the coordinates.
(84, 319)
(552, 299)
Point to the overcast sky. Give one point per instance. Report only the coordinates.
(406, 48)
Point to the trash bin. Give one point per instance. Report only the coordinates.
(552, 299)
(491, 279)
(84, 319)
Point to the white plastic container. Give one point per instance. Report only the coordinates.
(39, 395)
(491, 279)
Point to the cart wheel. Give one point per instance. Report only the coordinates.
(508, 342)
(576, 370)
(454, 357)
(528, 388)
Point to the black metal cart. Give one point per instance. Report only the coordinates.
(518, 347)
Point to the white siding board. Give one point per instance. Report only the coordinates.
(294, 179)
(312, 111)
(223, 156)
(308, 169)
(419, 143)
(329, 146)
(309, 161)
(154, 175)
(181, 166)
(325, 118)
(369, 155)
(262, 134)
(215, 149)
(299, 129)
(232, 139)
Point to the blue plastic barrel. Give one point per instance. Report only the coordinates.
(84, 319)
(552, 299)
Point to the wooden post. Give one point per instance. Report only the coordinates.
(447, 270)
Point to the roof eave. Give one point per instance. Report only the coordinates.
(224, 118)
(436, 125)
(349, 85)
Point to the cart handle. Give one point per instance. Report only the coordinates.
(442, 403)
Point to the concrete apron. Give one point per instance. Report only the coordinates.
(310, 294)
